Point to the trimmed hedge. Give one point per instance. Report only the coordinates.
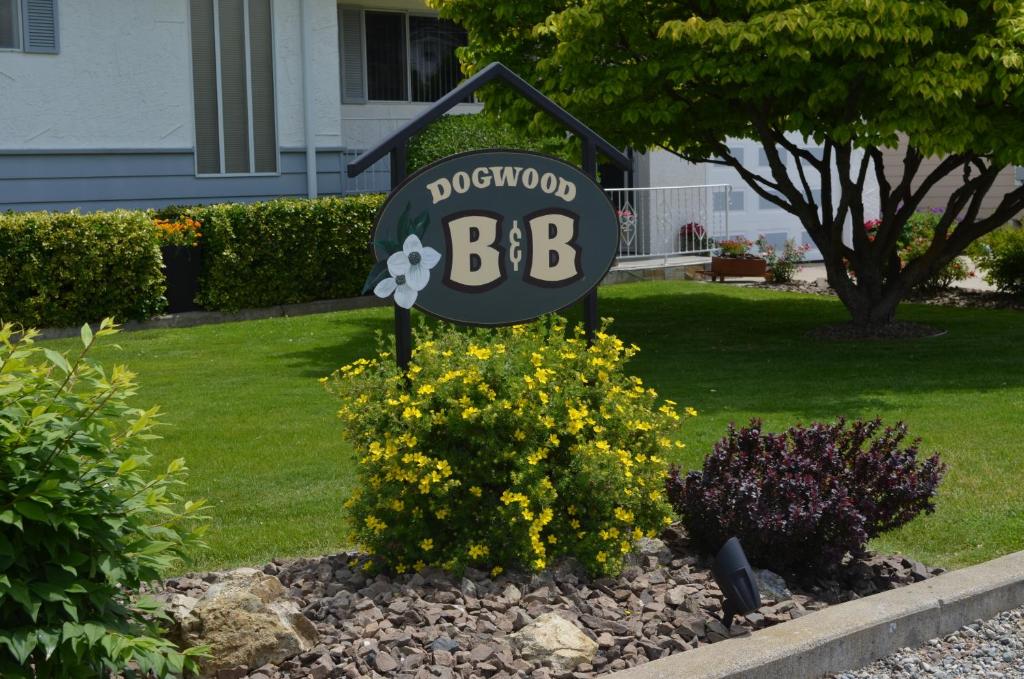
(285, 251)
(59, 269)
(475, 131)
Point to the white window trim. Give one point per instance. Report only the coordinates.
(408, 61)
(220, 96)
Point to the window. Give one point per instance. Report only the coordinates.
(765, 204)
(29, 25)
(10, 25)
(233, 87)
(762, 157)
(395, 56)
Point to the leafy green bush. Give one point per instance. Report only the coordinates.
(81, 522)
(460, 133)
(505, 447)
(1001, 255)
(916, 238)
(284, 251)
(59, 269)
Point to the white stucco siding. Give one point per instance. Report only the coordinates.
(122, 80)
(326, 79)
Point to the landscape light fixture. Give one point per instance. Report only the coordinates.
(737, 581)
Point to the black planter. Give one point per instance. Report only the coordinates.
(182, 266)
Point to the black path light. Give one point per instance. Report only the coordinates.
(737, 581)
(396, 146)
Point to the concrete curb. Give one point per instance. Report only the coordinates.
(854, 634)
(190, 319)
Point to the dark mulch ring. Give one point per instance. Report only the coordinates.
(897, 330)
(431, 624)
(956, 297)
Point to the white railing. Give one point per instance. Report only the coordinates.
(663, 221)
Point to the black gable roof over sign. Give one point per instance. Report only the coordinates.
(495, 71)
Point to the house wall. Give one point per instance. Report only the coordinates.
(938, 196)
(108, 122)
(754, 218)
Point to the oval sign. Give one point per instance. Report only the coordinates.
(493, 238)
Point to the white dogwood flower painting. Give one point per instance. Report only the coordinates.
(409, 271)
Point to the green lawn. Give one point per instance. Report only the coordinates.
(261, 438)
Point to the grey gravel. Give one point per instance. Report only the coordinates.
(990, 649)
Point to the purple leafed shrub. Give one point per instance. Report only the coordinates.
(803, 498)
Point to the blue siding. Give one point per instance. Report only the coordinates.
(107, 179)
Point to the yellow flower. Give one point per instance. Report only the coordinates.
(400, 568)
(601, 557)
(496, 571)
(476, 551)
(476, 491)
(690, 411)
(518, 435)
(624, 515)
(481, 353)
(470, 412)
(427, 545)
(553, 439)
(442, 513)
(538, 563)
(425, 390)
(411, 412)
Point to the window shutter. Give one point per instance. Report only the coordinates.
(261, 56)
(40, 22)
(204, 88)
(353, 81)
(233, 86)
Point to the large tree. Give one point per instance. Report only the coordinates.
(935, 78)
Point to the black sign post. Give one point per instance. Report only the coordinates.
(431, 221)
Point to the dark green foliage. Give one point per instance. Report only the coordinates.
(83, 519)
(285, 251)
(803, 499)
(59, 269)
(460, 133)
(1002, 256)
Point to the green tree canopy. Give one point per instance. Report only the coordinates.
(944, 77)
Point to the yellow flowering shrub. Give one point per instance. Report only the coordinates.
(504, 448)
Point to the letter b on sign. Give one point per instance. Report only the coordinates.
(475, 261)
(554, 256)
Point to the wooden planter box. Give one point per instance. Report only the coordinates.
(737, 267)
(182, 267)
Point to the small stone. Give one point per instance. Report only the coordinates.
(444, 644)
(772, 585)
(385, 662)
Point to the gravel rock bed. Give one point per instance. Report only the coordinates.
(991, 648)
(431, 624)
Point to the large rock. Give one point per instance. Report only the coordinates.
(551, 637)
(771, 585)
(246, 618)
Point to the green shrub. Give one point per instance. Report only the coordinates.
(505, 447)
(82, 522)
(916, 238)
(460, 133)
(60, 269)
(285, 251)
(1001, 255)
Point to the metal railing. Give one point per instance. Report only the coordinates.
(664, 221)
